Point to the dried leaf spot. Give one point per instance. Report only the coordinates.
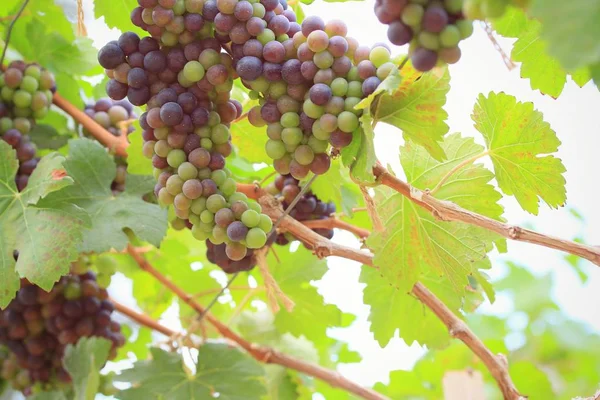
(58, 174)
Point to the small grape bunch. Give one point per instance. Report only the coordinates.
(111, 114)
(26, 92)
(308, 208)
(26, 152)
(433, 28)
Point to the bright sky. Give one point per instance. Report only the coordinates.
(480, 70)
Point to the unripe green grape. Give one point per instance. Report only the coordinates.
(277, 89)
(353, 74)
(318, 146)
(219, 235)
(472, 10)
(176, 157)
(206, 143)
(194, 219)
(72, 291)
(429, 40)
(259, 10)
(40, 114)
(220, 134)
(255, 206)
(275, 149)
(250, 218)
(22, 98)
(304, 155)
(350, 103)
(265, 223)
(204, 173)
(198, 233)
(379, 56)
(193, 71)
(261, 84)
(274, 131)
(23, 125)
(290, 148)
(290, 120)
(203, 132)
(412, 14)
(323, 59)
(207, 216)
(165, 198)
(214, 119)
(256, 238)
(347, 122)
(493, 8)
(266, 36)
(465, 27)
(283, 37)
(384, 70)
(22, 112)
(174, 185)
(328, 122)
(162, 148)
(291, 136)
(161, 133)
(7, 94)
(229, 187)
(29, 84)
(208, 58)
(238, 196)
(198, 205)
(33, 71)
(215, 202)
(319, 133)
(156, 172)
(148, 149)
(218, 176)
(355, 89)
(103, 280)
(183, 80)
(339, 87)
(5, 124)
(47, 80)
(312, 110)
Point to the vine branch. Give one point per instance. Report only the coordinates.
(263, 354)
(457, 168)
(9, 30)
(448, 211)
(331, 223)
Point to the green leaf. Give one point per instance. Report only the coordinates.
(48, 396)
(93, 170)
(83, 363)
(46, 235)
(414, 242)
(520, 144)
(251, 140)
(390, 84)
(69, 89)
(47, 137)
(571, 30)
(403, 385)
(360, 156)
(221, 369)
(512, 24)
(416, 108)
(531, 381)
(116, 14)
(137, 164)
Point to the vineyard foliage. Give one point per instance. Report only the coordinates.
(74, 215)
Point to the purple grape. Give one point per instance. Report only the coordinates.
(320, 94)
(237, 231)
(424, 59)
(111, 56)
(171, 114)
(249, 68)
(435, 19)
(311, 24)
(399, 34)
(291, 72)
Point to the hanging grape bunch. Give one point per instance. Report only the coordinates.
(26, 94)
(111, 115)
(433, 28)
(308, 208)
(186, 133)
(37, 326)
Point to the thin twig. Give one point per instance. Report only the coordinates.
(456, 169)
(142, 319)
(271, 285)
(448, 211)
(216, 298)
(263, 354)
(331, 223)
(241, 117)
(217, 290)
(9, 30)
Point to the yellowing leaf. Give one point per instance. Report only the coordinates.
(251, 141)
(520, 142)
(416, 108)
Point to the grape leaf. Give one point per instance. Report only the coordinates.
(416, 108)
(83, 363)
(519, 143)
(45, 234)
(47, 137)
(414, 242)
(251, 140)
(116, 14)
(93, 170)
(571, 30)
(531, 380)
(137, 164)
(360, 156)
(221, 369)
(293, 274)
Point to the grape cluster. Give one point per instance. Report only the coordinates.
(25, 155)
(37, 326)
(186, 132)
(217, 254)
(111, 114)
(433, 28)
(308, 208)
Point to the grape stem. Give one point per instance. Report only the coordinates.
(332, 223)
(9, 30)
(261, 353)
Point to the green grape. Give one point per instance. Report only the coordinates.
(219, 235)
(290, 120)
(350, 103)
(22, 112)
(412, 14)
(198, 205)
(204, 173)
(261, 84)
(453, 6)
(323, 60)
(198, 233)
(215, 202)
(229, 187)
(72, 291)
(472, 10)
(250, 218)
(218, 176)
(33, 71)
(238, 196)
(490, 8)
(103, 280)
(193, 71)
(319, 133)
(169, 39)
(275, 149)
(348, 122)
(5, 124)
(450, 36)
(162, 148)
(23, 125)
(259, 10)
(292, 136)
(22, 98)
(203, 132)
(214, 118)
(465, 27)
(318, 146)
(256, 238)
(274, 131)
(208, 58)
(40, 114)
(207, 216)
(254, 206)
(206, 143)
(30, 84)
(266, 36)
(165, 198)
(429, 40)
(304, 155)
(339, 87)
(312, 110)
(355, 89)
(194, 219)
(290, 148)
(379, 56)
(265, 223)
(156, 172)
(277, 89)
(220, 134)
(176, 157)
(174, 185)
(384, 70)
(186, 170)
(353, 74)
(7, 94)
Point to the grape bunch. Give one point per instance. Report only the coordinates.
(186, 135)
(433, 28)
(111, 114)
(26, 152)
(308, 208)
(37, 326)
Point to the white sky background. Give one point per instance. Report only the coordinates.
(574, 116)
